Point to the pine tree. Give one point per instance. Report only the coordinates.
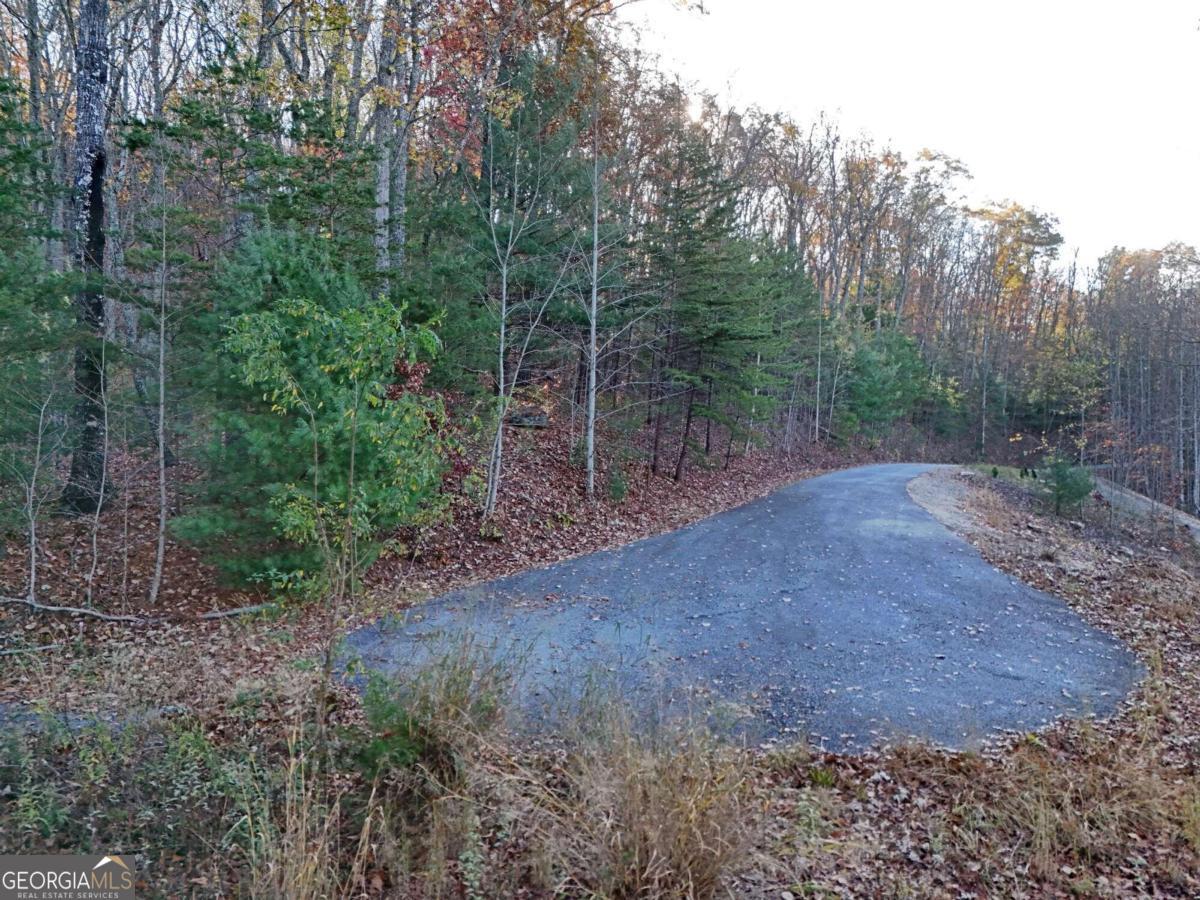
(320, 445)
(718, 295)
(35, 335)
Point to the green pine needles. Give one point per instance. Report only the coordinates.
(1066, 484)
(321, 452)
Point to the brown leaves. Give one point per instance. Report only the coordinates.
(1106, 809)
(543, 516)
(107, 564)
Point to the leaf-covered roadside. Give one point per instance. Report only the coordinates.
(1086, 808)
(428, 795)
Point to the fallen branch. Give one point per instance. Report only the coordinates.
(72, 610)
(38, 649)
(133, 620)
(239, 611)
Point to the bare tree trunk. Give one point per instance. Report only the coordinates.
(658, 430)
(708, 422)
(410, 76)
(33, 55)
(1196, 427)
(385, 143)
(687, 434)
(789, 428)
(833, 389)
(398, 197)
(161, 543)
(125, 520)
(32, 502)
(593, 315)
(355, 88)
(382, 197)
(729, 446)
(264, 57)
(817, 405)
(158, 176)
(496, 462)
(983, 404)
(82, 494)
(753, 404)
(103, 492)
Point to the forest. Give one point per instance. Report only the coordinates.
(492, 206)
(287, 288)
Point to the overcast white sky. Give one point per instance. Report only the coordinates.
(1087, 110)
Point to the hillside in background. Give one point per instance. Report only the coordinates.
(483, 208)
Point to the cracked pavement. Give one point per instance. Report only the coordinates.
(836, 609)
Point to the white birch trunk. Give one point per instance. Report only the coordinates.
(593, 315)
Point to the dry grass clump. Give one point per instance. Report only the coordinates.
(293, 840)
(1064, 810)
(618, 810)
(1095, 805)
(663, 815)
(433, 797)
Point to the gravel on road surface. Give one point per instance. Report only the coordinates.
(834, 609)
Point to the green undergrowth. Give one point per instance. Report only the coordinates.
(420, 791)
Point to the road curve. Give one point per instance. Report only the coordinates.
(835, 608)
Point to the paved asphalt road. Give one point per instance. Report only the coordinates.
(835, 608)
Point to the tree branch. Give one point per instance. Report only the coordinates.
(133, 620)
(72, 610)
